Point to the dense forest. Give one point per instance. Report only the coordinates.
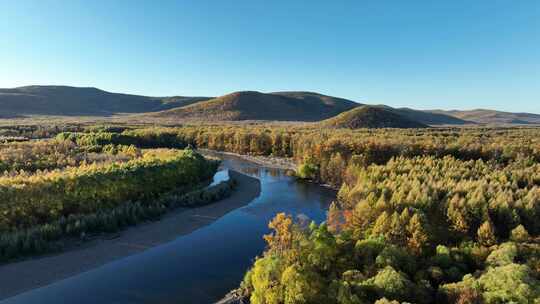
(422, 216)
(444, 215)
(324, 155)
(55, 189)
(420, 230)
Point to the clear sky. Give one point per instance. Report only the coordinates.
(423, 54)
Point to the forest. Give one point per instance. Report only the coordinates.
(52, 190)
(422, 216)
(432, 215)
(324, 155)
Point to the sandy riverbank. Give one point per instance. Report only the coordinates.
(22, 276)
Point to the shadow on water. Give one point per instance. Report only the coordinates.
(201, 266)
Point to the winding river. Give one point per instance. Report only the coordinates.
(202, 265)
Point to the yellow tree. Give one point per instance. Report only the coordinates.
(282, 237)
(418, 238)
(334, 218)
(486, 234)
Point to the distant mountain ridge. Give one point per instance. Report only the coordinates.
(252, 105)
(71, 101)
(485, 116)
(432, 118)
(238, 106)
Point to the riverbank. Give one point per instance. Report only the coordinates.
(265, 161)
(22, 276)
(235, 296)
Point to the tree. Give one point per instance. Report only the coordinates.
(366, 251)
(469, 296)
(382, 225)
(503, 255)
(301, 286)
(334, 218)
(511, 283)
(282, 237)
(519, 234)
(264, 278)
(458, 214)
(486, 234)
(392, 284)
(395, 234)
(418, 238)
(345, 294)
(308, 170)
(335, 168)
(323, 251)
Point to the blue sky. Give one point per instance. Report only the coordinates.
(421, 54)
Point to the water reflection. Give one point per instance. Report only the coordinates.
(220, 176)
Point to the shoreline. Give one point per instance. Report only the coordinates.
(234, 297)
(268, 162)
(41, 271)
(265, 161)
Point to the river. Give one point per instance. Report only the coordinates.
(199, 267)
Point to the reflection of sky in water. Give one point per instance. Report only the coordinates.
(220, 176)
(199, 267)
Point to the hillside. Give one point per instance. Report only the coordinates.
(314, 99)
(250, 105)
(371, 117)
(239, 106)
(64, 100)
(484, 116)
(431, 118)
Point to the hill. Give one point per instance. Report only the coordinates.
(251, 105)
(485, 116)
(431, 118)
(246, 105)
(75, 101)
(314, 99)
(371, 117)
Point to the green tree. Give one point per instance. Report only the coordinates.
(323, 249)
(265, 281)
(391, 284)
(519, 234)
(301, 285)
(511, 283)
(505, 254)
(308, 170)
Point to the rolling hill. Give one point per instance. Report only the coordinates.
(431, 118)
(251, 105)
(484, 116)
(74, 101)
(238, 106)
(371, 117)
